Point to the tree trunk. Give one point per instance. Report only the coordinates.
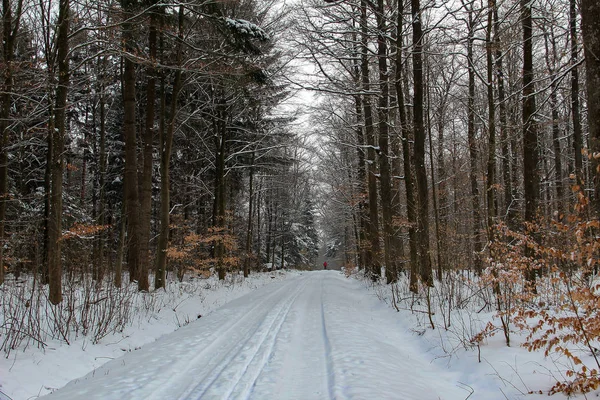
(530, 146)
(551, 57)
(220, 187)
(259, 224)
(438, 236)
(590, 28)
(374, 266)
(248, 259)
(148, 140)
(491, 163)
(419, 149)
(363, 213)
(575, 113)
(48, 183)
(166, 144)
(505, 144)
(477, 239)
(58, 141)
(10, 30)
(120, 247)
(102, 182)
(411, 207)
(130, 184)
(384, 156)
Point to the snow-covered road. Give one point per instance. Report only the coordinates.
(315, 336)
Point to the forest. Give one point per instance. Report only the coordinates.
(449, 146)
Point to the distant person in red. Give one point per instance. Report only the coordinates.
(325, 265)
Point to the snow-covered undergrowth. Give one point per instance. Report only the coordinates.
(460, 328)
(45, 346)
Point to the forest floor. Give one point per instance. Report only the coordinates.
(309, 336)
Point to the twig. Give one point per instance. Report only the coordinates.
(467, 387)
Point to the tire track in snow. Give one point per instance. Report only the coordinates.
(213, 340)
(297, 368)
(264, 323)
(317, 337)
(328, 352)
(247, 390)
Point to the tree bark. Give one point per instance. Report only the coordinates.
(590, 28)
(10, 30)
(374, 265)
(166, 144)
(248, 260)
(384, 156)
(551, 57)
(220, 187)
(58, 141)
(530, 136)
(363, 214)
(407, 163)
(130, 184)
(504, 140)
(436, 214)
(419, 149)
(491, 163)
(477, 239)
(575, 113)
(148, 141)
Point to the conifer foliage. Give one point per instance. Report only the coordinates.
(141, 140)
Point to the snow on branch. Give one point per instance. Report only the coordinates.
(247, 29)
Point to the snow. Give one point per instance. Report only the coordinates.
(316, 336)
(246, 28)
(298, 335)
(31, 372)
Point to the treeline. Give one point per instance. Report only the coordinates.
(455, 126)
(142, 137)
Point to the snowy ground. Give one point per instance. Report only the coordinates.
(34, 372)
(314, 335)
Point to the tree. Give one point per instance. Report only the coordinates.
(476, 210)
(575, 114)
(419, 147)
(373, 263)
(491, 163)
(130, 186)
(156, 17)
(409, 184)
(530, 135)
(10, 27)
(590, 26)
(58, 139)
(384, 152)
(165, 147)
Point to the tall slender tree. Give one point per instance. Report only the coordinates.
(166, 145)
(575, 112)
(407, 164)
(476, 208)
(130, 186)
(590, 27)
(384, 151)
(10, 26)
(530, 134)
(374, 246)
(491, 162)
(58, 143)
(147, 142)
(419, 147)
